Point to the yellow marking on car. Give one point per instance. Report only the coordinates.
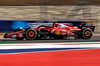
(39, 30)
(52, 30)
(75, 27)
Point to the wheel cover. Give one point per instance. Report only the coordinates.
(87, 33)
(31, 34)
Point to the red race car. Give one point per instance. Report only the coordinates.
(57, 31)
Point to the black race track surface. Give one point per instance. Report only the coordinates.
(13, 41)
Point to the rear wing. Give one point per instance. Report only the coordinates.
(83, 26)
(91, 27)
(88, 24)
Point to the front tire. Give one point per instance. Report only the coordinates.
(30, 34)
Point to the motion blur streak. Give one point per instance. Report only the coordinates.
(50, 54)
(17, 24)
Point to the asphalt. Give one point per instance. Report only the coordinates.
(11, 41)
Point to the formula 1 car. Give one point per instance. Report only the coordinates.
(57, 31)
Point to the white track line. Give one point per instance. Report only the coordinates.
(50, 45)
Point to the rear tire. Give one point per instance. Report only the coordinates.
(87, 33)
(30, 34)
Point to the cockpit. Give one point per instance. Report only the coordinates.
(59, 25)
(62, 26)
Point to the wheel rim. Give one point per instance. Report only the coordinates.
(87, 33)
(31, 34)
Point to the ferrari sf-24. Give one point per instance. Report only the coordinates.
(57, 31)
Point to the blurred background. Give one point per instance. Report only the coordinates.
(51, 10)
